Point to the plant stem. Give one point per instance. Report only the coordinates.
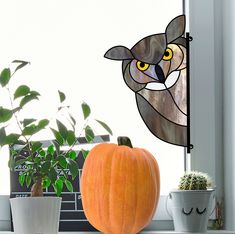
(37, 190)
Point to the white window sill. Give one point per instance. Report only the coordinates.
(145, 232)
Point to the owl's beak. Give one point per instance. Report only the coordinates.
(160, 74)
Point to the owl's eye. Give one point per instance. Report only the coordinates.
(142, 66)
(168, 54)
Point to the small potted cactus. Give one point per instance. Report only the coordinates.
(191, 203)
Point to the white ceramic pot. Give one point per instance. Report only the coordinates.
(191, 209)
(35, 215)
(5, 216)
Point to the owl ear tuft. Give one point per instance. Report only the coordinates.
(118, 53)
(175, 28)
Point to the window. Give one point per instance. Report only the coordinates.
(65, 43)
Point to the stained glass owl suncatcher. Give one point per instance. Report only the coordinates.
(155, 69)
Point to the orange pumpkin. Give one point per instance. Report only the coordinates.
(120, 188)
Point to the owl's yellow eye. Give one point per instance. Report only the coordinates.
(168, 54)
(142, 66)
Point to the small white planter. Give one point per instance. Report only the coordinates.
(36, 215)
(191, 209)
(5, 216)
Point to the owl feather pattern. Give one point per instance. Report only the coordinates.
(155, 69)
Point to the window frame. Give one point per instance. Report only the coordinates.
(206, 138)
(212, 149)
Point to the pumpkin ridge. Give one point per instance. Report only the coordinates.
(143, 166)
(136, 199)
(128, 158)
(124, 184)
(154, 169)
(113, 147)
(94, 198)
(153, 176)
(111, 185)
(98, 188)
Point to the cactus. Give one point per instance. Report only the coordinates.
(194, 181)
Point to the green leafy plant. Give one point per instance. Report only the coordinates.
(194, 180)
(43, 166)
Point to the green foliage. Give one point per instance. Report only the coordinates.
(5, 77)
(5, 114)
(21, 91)
(62, 96)
(194, 181)
(86, 110)
(55, 167)
(89, 134)
(105, 126)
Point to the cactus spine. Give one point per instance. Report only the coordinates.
(194, 181)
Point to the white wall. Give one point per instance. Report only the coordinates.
(228, 33)
(212, 24)
(206, 91)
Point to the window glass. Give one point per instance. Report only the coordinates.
(65, 42)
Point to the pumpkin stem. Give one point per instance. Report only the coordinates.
(123, 140)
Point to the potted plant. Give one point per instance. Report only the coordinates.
(43, 166)
(191, 203)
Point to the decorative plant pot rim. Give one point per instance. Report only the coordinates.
(193, 191)
(37, 198)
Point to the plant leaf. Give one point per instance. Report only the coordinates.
(5, 77)
(59, 186)
(57, 146)
(62, 129)
(22, 64)
(52, 175)
(11, 163)
(26, 122)
(35, 93)
(45, 167)
(84, 153)
(49, 157)
(69, 185)
(71, 138)
(30, 130)
(2, 136)
(46, 182)
(21, 91)
(20, 161)
(28, 180)
(16, 109)
(89, 134)
(72, 155)
(28, 99)
(105, 126)
(36, 146)
(73, 120)
(62, 161)
(62, 96)
(5, 114)
(12, 138)
(43, 123)
(86, 110)
(73, 167)
(42, 153)
(57, 136)
(50, 149)
(21, 179)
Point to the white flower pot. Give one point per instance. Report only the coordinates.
(35, 215)
(5, 216)
(191, 209)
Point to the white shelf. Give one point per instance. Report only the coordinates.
(145, 232)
